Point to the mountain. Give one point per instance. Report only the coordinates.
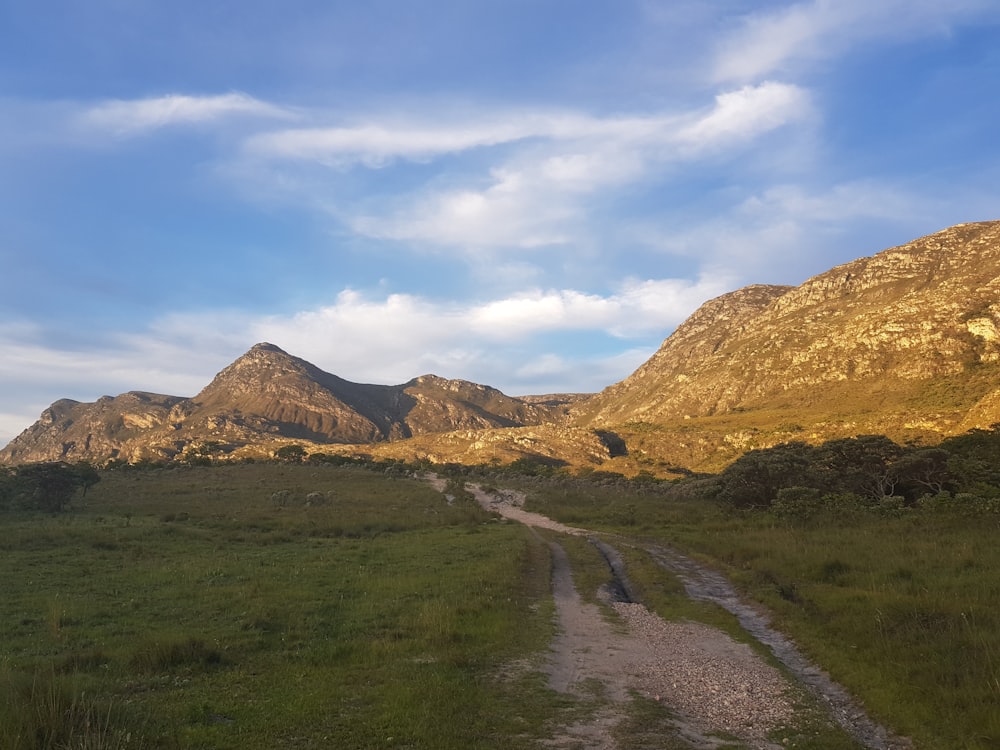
(265, 396)
(904, 343)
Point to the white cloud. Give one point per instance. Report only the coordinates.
(638, 308)
(377, 142)
(519, 209)
(395, 338)
(129, 116)
(578, 137)
(539, 195)
(35, 374)
(746, 113)
(401, 335)
(385, 339)
(374, 144)
(779, 40)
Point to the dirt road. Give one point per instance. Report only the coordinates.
(717, 689)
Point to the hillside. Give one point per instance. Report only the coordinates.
(904, 343)
(265, 397)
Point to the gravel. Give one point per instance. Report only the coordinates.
(712, 683)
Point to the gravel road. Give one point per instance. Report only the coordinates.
(713, 684)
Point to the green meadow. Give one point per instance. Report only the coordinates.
(213, 608)
(294, 604)
(901, 605)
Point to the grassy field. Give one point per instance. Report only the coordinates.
(214, 608)
(271, 605)
(903, 609)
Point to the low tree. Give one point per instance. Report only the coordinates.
(974, 461)
(862, 465)
(922, 471)
(48, 487)
(754, 479)
(294, 453)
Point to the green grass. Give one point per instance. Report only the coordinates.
(214, 608)
(902, 610)
(184, 608)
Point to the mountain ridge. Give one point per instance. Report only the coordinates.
(265, 395)
(905, 342)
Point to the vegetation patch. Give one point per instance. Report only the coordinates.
(895, 599)
(179, 608)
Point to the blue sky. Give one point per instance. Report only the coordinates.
(528, 194)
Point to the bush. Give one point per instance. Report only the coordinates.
(797, 503)
(49, 487)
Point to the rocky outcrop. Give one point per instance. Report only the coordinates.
(70, 430)
(919, 313)
(264, 396)
(904, 343)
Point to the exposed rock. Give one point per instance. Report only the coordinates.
(876, 337)
(264, 396)
(904, 343)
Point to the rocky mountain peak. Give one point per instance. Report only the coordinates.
(910, 314)
(905, 343)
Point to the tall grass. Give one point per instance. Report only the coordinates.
(901, 609)
(385, 617)
(41, 709)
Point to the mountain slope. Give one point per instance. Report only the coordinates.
(263, 396)
(905, 342)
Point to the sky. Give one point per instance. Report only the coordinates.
(529, 194)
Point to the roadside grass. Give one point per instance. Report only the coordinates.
(650, 723)
(900, 609)
(191, 608)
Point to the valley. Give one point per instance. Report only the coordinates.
(281, 604)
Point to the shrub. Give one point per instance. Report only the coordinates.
(797, 503)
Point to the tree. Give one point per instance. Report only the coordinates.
(87, 475)
(754, 479)
(862, 465)
(975, 458)
(292, 453)
(922, 471)
(46, 486)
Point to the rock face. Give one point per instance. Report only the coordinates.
(911, 335)
(905, 343)
(266, 395)
(70, 430)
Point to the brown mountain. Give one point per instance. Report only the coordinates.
(265, 396)
(904, 343)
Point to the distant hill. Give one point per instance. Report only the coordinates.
(265, 396)
(904, 343)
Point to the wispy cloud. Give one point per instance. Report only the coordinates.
(132, 116)
(36, 372)
(739, 114)
(537, 195)
(778, 40)
(744, 114)
(376, 142)
(785, 233)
